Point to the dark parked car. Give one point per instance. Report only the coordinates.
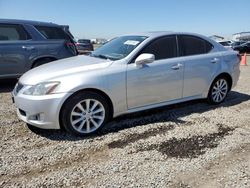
(237, 43)
(243, 48)
(28, 44)
(225, 43)
(84, 46)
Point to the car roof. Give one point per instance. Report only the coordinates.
(163, 33)
(157, 34)
(29, 22)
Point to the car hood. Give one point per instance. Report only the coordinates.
(63, 67)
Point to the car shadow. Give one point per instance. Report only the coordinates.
(171, 113)
(7, 85)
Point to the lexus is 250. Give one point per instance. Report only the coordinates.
(128, 74)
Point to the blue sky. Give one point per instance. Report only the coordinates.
(109, 18)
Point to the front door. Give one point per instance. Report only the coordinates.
(159, 81)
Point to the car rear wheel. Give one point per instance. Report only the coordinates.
(218, 91)
(85, 113)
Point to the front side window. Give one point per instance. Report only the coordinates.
(52, 32)
(191, 45)
(162, 48)
(118, 48)
(12, 32)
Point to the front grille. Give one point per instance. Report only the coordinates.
(19, 86)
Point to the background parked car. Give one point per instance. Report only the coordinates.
(237, 43)
(28, 44)
(226, 44)
(84, 46)
(243, 48)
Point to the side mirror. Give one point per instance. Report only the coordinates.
(144, 59)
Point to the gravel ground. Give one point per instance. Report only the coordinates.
(191, 144)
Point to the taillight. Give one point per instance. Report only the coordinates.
(72, 47)
(70, 44)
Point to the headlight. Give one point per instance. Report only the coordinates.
(44, 88)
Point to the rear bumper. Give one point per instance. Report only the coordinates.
(235, 75)
(40, 111)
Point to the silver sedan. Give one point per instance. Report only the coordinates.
(128, 74)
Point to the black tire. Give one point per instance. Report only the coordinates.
(42, 62)
(33, 128)
(210, 98)
(70, 105)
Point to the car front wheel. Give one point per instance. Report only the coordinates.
(85, 113)
(218, 91)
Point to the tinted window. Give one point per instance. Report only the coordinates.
(52, 32)
(190, 45)
(12, 32)
(162, 48)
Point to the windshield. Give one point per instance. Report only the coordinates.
(118, 48)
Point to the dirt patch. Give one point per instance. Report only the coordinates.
(190, 147)
(138, 136)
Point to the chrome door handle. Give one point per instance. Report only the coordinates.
(176, 67)
(214, 60)
(28, 47)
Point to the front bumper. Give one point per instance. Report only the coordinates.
(40, 111)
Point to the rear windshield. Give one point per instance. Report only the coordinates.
(52, 32)
(84, 41)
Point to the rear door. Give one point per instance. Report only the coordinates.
(200, 64)
(15, 49)
(57, 35)
(159, 81)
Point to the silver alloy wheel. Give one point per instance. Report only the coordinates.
(219, 90)
(87, 116)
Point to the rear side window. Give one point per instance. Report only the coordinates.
(52, 32)
(162, 48)
(13, 32)
(191, 45)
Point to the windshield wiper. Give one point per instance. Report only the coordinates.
(103, 56)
